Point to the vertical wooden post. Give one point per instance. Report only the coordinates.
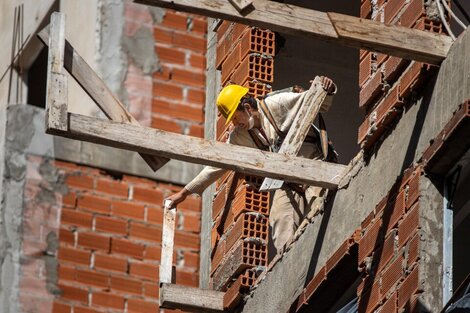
(166, 262)
(56, 96)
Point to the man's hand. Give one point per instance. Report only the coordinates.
(327, 84)
(178, 197)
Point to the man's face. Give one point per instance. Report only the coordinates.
(241, 119)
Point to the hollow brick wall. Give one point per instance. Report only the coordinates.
(387, 84)
(240, 212)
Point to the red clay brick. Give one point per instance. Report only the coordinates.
(387, 251)
(70, 199)
(409, 287)
(108, 300)
(170, 55)
(412, 13)
(74, 255)
(365, 68)
(145, 232)
(187, 278)
(199, 25)
(81, 309)
(155, 216)
(390, 306)
(191, 259)
(128, 210)
(192, 223)
(196, 96)
(126, 285)
(92, 278)
(68, 166)
(409, 225)
(392, 8)
(392, 275)
(162, 35)
(144, 270)
(153, 252)
(413, 250)
(413, 189)
(66, 273)
(411, 78)
(73, 293)
(192, 78)
(167, 90)
(165, 124)
(110, 225)
(371, 90)
(94, 203)
(188, 41)
(61, 307)
(66, 236)
(192, 203)
(138, 306)
(127, 247)
(186, 240)
(80, 182)
(178, 110)
(369, 300)
(395, 210)
(93, 241)
(151, 290)
(112, 187)
(393, 67)
(196, 131)
(148, 195)
(76, 218)
(366, 9)
(175, 20)
(371, 239)
(197, 60)
(163, 73)
(110, 263)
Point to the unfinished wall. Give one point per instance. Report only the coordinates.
(370, 179)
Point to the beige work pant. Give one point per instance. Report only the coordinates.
(288, 210)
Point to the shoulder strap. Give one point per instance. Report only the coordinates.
(270, 118)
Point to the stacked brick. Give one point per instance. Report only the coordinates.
(389, 250)
(240, 211)
(388, 245)
(110, 241)
(179, 86)
(387, 83)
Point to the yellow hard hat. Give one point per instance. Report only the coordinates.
(228, 100)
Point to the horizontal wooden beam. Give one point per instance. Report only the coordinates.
(347, 30)
(207, 152)
(94, 86)
(191, 299)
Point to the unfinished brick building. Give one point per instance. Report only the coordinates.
(82, 231)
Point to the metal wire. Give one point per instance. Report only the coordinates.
(443, 19)
(448, 9)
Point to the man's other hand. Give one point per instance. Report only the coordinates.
(328, 84)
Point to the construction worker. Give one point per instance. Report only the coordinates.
(261, 124)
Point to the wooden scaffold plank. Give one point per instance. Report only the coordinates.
(351, 31)
(207, 152)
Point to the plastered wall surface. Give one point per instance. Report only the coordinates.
(368, 182)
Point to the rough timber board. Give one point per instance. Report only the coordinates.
(208, 152)
(191, 299)
(56, 96)
(285, 18)
(98, 91)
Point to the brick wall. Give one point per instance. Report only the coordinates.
(387, 83)
(387, 253)
(240, 212)
(179, 87)
(110, 241)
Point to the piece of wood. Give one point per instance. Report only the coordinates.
(168, 235)
(295, 137)
(241, 5)
(286, 18)
(99, 92)
(191, 299)
(394, 40)
(208, 152)
(56, 96)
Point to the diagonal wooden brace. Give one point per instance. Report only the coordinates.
(90, 82)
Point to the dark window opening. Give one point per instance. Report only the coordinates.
(37, 80)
